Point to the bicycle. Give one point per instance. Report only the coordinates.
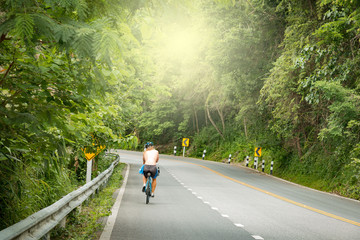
(148, 188)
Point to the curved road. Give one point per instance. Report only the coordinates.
(198, 199)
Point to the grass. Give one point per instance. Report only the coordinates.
(88, 223)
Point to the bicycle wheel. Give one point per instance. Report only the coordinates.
(148, 193)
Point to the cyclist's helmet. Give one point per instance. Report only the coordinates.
(149, 144)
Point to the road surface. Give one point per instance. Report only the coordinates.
(198, 199)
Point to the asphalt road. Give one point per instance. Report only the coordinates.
(198, 199)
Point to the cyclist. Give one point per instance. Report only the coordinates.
(150, 158)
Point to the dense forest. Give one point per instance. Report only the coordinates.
(231, 75)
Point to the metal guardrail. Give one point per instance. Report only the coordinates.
(42, 222)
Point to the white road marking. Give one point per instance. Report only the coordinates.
(224, 215)
(214, 208)
(106, 234)
(257, 237)
(239, 225)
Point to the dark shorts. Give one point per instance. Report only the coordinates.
(151, 169)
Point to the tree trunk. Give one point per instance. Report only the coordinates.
(245, 128)
(222, 118)
(213, 123)
(298, 146)
(206, 119)
(196, 121)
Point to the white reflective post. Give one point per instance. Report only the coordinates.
(88, 170)
(184, 152)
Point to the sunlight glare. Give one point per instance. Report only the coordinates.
(182, 43)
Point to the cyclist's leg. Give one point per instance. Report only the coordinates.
(144, 180)
(155, 174)
(145, 171)
(153, 185)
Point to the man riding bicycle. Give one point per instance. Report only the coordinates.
(150, 158)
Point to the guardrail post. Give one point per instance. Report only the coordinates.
(79, 208)
(63, 223)
(203, 156)
(247, 161)
(46, 237)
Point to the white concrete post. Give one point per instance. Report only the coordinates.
(88, 170)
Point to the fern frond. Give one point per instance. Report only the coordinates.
(101, 23)
(64, 33)
(67, 4)
(7, 26)
(107, 44)
(44, 25)
(84, 41)
(24, 26)
(82, 9)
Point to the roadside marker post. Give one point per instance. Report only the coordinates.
(203, 156)
(263, 165)
(229, 160)
(255, 162)
(247, 161)
(272, 167)
(175, 151)
(185, 143)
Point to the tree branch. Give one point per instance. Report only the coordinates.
(3, 38)
(7, 72)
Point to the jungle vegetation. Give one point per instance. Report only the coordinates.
(231, 75)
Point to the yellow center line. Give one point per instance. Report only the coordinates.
(279, 197)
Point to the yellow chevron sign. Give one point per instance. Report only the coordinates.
(185, 142)
(257, 152)
(91, 155)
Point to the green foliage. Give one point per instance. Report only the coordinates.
(64, 86)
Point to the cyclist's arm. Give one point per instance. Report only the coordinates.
(157, 157)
